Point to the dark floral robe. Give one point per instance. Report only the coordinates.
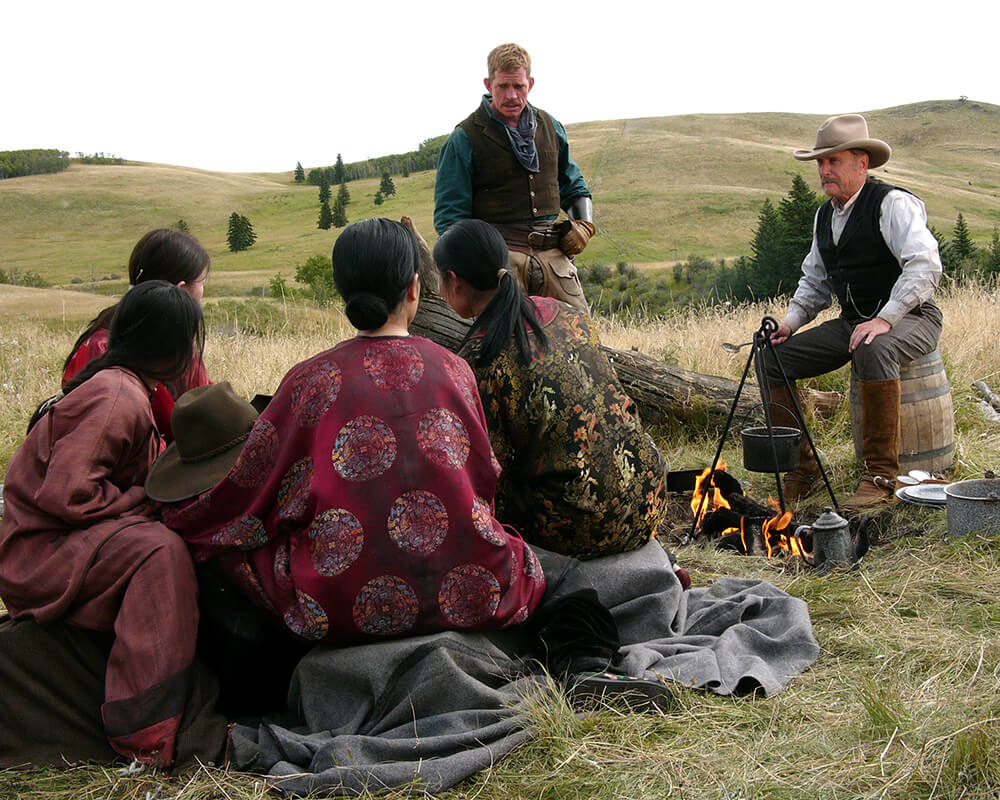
(580, 476)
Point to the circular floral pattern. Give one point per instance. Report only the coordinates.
(385, 606)
(469, 595)
(482, 520)
(364, 449)
(250, 583)
(515, 565)
(245, 533)
(519, 616)
(394, 364)
(306, 618)
(257, 456)
(532, 566)
(335, 541)
(460, 374)
(418, 522)
(293, 493)
(443, 438)
(179, 517)
(282, 567)
(314, 391)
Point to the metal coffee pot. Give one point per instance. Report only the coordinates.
(832, 545)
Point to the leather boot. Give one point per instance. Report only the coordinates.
(801, 481)
(879, 444)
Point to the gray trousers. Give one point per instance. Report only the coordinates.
(824, 348)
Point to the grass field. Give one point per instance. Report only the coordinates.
(664, 189)
(904, 701)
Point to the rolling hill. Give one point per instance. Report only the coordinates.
(665, 188)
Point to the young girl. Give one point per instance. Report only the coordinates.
(78, 544)
(580, 476)
(162, 254)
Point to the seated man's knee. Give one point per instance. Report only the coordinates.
(876, 361)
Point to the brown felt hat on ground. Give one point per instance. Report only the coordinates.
(846, 132)
(210, 424)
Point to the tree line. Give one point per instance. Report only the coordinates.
(17, 163)
(424, 157)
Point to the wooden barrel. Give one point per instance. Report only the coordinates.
(926, 415)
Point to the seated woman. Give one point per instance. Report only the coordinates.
(163, 254)
(79, 546)
(361, 503)
(580, 476)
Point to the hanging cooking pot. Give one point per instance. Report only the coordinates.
(760, 456)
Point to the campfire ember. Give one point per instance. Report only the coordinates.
(736, 522)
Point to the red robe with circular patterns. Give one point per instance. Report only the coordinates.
(362, 502)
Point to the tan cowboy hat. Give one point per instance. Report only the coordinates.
(846, 132)
(210, 424)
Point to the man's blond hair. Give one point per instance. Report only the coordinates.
(508, 57)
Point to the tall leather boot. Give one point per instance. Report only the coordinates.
(879, 444)
(801, 481)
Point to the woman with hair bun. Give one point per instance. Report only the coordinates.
(162, 254)
(361, 504)
(580, 476)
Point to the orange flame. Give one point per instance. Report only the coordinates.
(704, 486)
(775, 534)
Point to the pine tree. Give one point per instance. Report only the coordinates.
(961, 242)
(343, 196)
(387, 187)
(325, 216)
(338, 170)
(324, 190)
(241, 234)
(767, 252)
(339, 213)
(991, 262)
(300, 174)
(379, 199)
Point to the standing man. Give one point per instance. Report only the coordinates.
(871, 249)
(508, 163)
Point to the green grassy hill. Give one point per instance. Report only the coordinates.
(665, 188)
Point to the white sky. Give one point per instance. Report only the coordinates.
(257, 86)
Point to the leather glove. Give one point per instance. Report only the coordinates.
(576, 238)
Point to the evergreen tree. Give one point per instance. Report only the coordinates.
(182, 225)
(300, 174)
(339, 213)
(324, 190)
(991, 260)
(768, 252)
(241, 234)
(343, 196)
(961, 242)
(338, 171)
(947, 252)
(325, 216)
(387, 187)
(379, 199)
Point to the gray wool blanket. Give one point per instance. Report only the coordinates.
(433, 710)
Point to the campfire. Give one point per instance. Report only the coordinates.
(737, 522)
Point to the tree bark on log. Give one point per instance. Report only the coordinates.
(660, 391)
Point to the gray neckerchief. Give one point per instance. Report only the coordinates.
(522, 138)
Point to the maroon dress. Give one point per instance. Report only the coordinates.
(78, 544)
(362, 503)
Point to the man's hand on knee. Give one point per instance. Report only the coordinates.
(866, 332)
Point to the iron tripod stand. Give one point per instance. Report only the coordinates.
(762, 342)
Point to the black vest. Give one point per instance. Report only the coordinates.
(862, 268)
(503, 191)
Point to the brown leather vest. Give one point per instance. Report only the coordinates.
(503, 191)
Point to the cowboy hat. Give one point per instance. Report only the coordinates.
(210, 425)
(846, 132)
